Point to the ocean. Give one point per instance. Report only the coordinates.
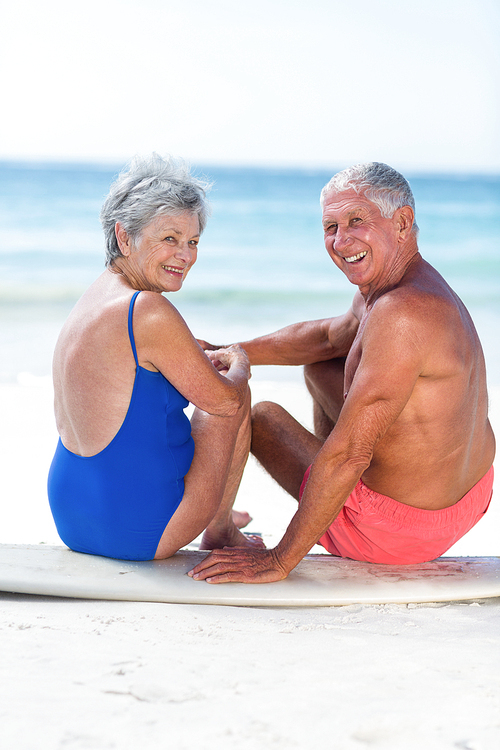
(261, 264)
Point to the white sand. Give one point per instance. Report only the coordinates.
(80, 674)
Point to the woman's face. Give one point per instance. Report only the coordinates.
(161, 256)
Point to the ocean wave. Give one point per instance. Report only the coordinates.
(32, 294)
(36, 294)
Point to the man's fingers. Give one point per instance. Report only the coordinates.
(238, 565)
(217, 563)
(227, 578)
(208, 562)
(220, 574)
(212, 570)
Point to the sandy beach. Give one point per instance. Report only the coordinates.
(95, 674)
(266, 101)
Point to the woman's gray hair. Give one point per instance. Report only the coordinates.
(147, 188)
(379, 183)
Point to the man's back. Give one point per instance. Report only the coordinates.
(418, 339)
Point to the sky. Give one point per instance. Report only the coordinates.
(308, 83)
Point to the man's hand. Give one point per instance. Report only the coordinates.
(239, 565)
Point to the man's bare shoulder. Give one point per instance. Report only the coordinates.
(358, 307)
(425, 319)
(423, 298)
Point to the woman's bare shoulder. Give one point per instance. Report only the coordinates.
(157, 320)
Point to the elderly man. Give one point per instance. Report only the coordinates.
(400, 466)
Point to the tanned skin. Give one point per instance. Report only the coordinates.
(398, 384)
(94, 372)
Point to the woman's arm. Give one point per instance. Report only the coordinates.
(165, 343)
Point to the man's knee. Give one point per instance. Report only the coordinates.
(264, 432)
(264, 413)
(272, 426)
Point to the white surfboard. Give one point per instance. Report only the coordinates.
(319, 580)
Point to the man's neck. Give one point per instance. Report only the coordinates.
(405, 262)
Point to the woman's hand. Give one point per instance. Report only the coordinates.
(206, 346)
(229, 358)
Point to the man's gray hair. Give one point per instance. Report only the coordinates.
(379, 183)
(150, 187)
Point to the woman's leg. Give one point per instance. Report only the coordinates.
(222, 446)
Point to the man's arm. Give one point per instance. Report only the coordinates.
(303, 343)
(391, 362)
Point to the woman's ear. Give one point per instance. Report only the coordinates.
(123, 239)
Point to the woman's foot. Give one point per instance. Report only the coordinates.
(241, 518)
(229, 537)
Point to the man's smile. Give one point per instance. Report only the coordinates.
(354, 258)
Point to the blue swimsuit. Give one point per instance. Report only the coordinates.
(118, 502)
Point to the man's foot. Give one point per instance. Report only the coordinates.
(231, 537)
(241, 518)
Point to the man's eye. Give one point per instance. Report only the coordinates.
(194, 242)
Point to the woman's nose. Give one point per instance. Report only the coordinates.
(185, 252)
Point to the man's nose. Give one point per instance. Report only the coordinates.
(342, 239)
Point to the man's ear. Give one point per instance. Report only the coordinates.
(405, 221)
(123, 239)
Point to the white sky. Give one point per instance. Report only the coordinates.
(415, 83)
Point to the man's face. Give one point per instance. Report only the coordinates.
(359, 240)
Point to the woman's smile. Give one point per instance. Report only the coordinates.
(160, 257)
(174, 270)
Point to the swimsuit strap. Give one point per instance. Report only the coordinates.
(131, 327)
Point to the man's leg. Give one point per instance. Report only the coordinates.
(325, 382)
(283, 447)
(281, 444)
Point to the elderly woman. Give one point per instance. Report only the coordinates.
(132, 477)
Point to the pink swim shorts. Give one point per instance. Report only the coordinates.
(378, 529)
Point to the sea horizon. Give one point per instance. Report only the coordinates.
(262, 262)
